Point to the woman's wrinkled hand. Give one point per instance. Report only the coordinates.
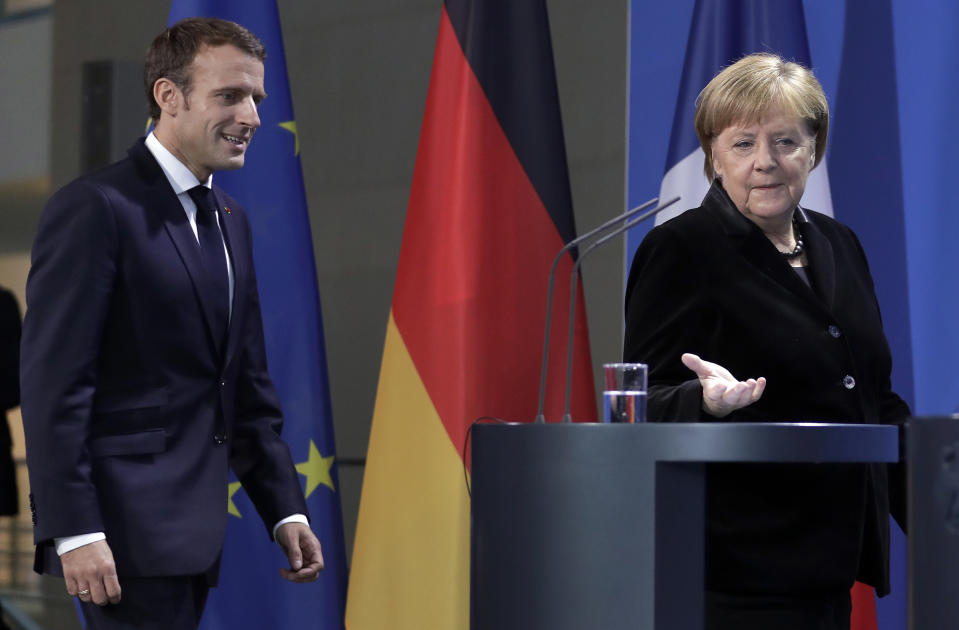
(722, 392)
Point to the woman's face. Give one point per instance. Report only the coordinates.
(764, 164)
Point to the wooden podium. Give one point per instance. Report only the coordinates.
(583, 526)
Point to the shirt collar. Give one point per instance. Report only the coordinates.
(179, 176)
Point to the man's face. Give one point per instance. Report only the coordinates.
(211, 128)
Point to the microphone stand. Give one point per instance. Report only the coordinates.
(540, 417)
(572, 293)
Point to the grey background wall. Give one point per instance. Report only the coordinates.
(359, 72)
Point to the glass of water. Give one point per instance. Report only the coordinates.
(624, 392)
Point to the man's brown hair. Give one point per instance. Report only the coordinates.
(172, 52)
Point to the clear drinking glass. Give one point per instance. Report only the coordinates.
(624, 392)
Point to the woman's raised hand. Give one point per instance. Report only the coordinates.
(722, 392)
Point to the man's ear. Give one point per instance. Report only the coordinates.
(168, 96)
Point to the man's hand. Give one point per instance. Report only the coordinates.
(90, 573)
(722, 393)
(302, 550)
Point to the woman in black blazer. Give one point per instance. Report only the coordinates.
(749, 285)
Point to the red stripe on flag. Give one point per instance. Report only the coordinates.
(863, 607)
(471, 284)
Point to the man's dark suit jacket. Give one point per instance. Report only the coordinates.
(710, 282)
(132, 412)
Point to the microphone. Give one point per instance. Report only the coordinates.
(540, 417)
(572, 292)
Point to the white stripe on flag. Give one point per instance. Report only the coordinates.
(685, 179)
(818, 196)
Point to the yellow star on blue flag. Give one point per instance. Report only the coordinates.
(232, 489)
(316, 469)
(290, 126)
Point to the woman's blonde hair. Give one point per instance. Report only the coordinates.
(746, 90)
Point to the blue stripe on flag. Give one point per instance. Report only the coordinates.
(927, 46)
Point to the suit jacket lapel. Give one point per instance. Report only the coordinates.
(235, 242)
(165, 203)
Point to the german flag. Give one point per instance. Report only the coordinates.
(488, 211)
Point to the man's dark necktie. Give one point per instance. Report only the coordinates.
(214, 260)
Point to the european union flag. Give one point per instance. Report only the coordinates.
(251, 594)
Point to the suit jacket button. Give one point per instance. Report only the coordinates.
(219, 438)
(834, 331)
(848, 382)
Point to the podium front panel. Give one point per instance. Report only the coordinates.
(601, 526)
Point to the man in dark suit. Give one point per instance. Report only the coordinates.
(144, 373)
